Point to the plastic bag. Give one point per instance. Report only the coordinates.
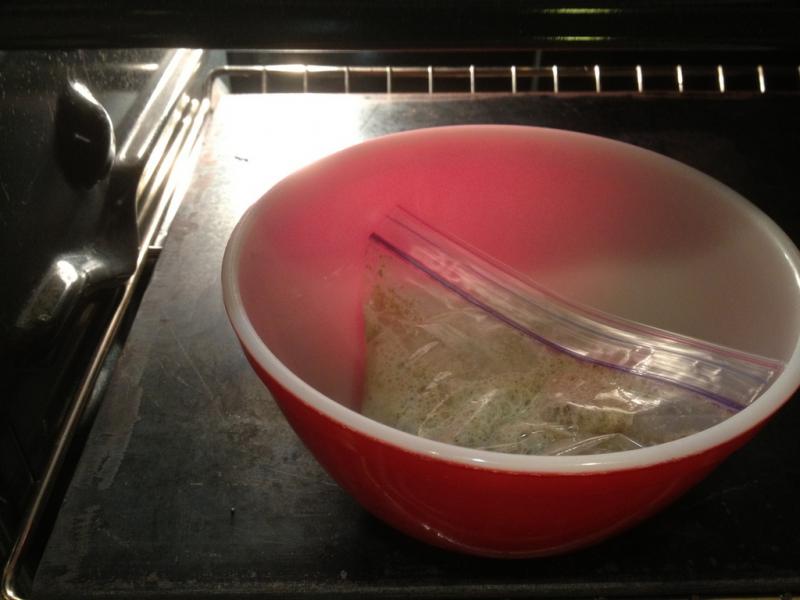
(460, 349)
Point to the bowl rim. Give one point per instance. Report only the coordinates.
(730, 429)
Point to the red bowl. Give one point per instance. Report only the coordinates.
(605, 224)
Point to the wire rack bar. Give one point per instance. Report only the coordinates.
(555, 79)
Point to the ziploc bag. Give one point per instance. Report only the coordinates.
(463, 350)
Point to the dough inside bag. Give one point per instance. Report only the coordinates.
(445, 369)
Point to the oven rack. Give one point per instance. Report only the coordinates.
(515, 79)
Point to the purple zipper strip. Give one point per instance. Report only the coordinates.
(767, 363)
(591, 331)
(721, 400)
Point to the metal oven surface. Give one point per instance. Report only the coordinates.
(192, 484)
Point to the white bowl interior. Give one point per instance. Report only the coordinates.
(602, 223)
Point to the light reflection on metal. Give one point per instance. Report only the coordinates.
(762, 81)
(290, 68)
(127, 67)
(61, 284)
(264, 81)
(182, 168)
(170, 86)
(581, 38)
(153, 174)
(391, 73)
(163, 82)
(581, 11)
(156, 155)
(83, 91)
(67, 272)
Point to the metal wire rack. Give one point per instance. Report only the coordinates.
(514, 79)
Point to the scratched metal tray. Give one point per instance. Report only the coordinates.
(192, 484)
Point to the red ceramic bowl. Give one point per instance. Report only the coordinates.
(602, 223)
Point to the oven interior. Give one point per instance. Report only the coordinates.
(139, 455)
